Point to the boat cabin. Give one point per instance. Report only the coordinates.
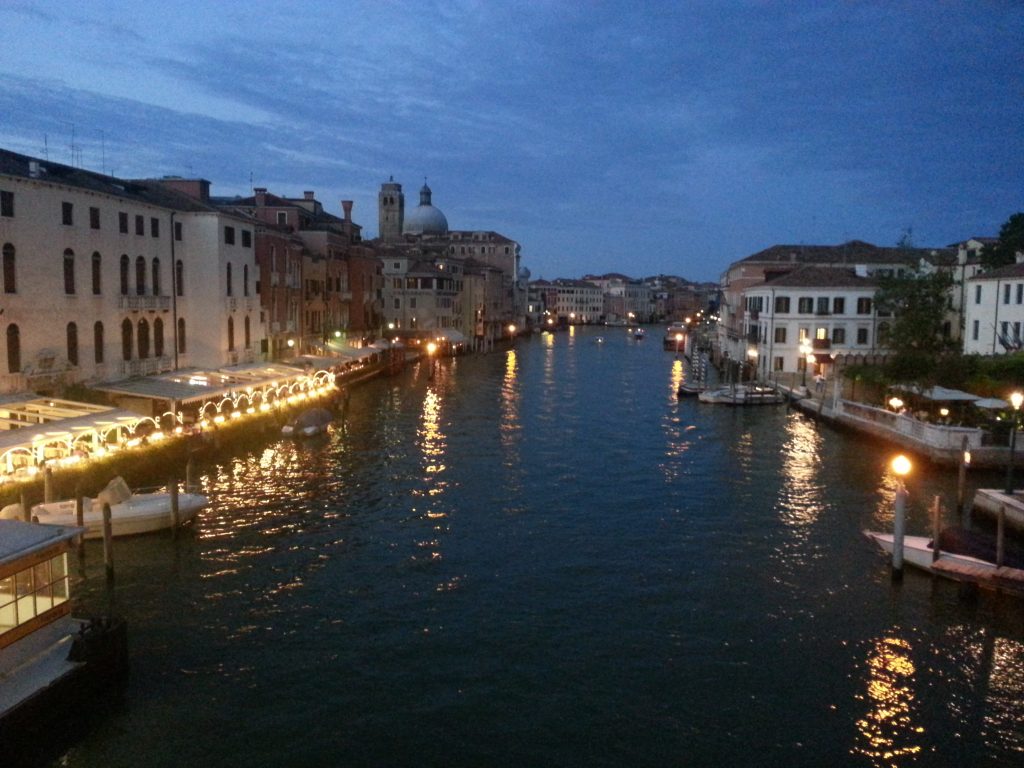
(33, 577)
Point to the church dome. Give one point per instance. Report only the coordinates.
(425, 219)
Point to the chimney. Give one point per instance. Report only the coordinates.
(33, 169)
(308, 195)
(261, 196)
(346, 206)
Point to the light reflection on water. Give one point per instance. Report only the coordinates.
(540, 556)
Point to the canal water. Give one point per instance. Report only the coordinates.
(539, 556)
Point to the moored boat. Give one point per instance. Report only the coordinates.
(315, 421)
(130, 513)
(742, 394)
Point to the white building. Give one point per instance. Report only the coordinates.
(994, 311)
(809, 318)
(89, 290)
(571, 301)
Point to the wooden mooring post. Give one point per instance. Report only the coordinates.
(80, 522)
(172, 487)
(108, 543)
(1001, 536)
(48, 485)
(190, 481)
(26, 509)
(936, 527)
(961, 478)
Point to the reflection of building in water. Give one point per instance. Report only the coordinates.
(887, 730)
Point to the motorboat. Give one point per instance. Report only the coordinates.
(742, 394)
(639, 333)
(674, 336)
(690, 390)
(315, 421)
(130, 513)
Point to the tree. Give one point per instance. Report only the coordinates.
(917, 304)
(1004, 251)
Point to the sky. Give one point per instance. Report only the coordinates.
(636, 137)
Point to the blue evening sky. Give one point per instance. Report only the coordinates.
(657, 137)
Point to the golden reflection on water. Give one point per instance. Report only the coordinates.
(675, 378)
(801, 491)
(887, 734)
(1004, 672)
(432, 442)
(677, 438)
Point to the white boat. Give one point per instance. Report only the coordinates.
(917, 551)
(639, 333)
(741, 394)
(130, 513)
(315, 421)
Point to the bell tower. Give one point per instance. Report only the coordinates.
(390, 211)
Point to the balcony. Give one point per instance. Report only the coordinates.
(819, 345)
(151, 303)
(145, 367)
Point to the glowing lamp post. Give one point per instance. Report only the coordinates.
(752, 356)
(679, 339)
(901, 466)
(805, 354)
(1015, 400)
(431, 349)
(512, 332)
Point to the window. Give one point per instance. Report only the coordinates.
(230, 288)
(122, 222)
(838, 305)
(246, 238)
(94, 218)
(805, 305)
(72, 336)
(248, 333)
(67, 213)
(154, 227)
(282, 218)
(156, 276)
(126, 340)
(862, 335)
(977, 294)
(229, 235)
(97, 342)
(13, 349)
(97, 285)
(974, 330)
(838, 335)
(140, 276)
(177, 231)
(140, 225)
(1006, 294)
(864, 306)
(779, 364)
(780, 335)
(143, 339)
(179, 278)
(124, 274)
(9, 283)
(158, 338)
(822, 308)
(245, 280)
(1020, 293)
(231, 334)
(412, 303)
(6, 203)
(181, 335)
(69, 271)
(1016, 331)
(781, 305)
(398, 303)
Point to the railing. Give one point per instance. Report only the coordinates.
(135, 303)
(933, 435)
(146, 366)
(821, 343)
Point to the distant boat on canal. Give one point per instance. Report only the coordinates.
(742, 394)
(309, 423)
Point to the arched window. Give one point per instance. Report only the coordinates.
(158, 338)
(9, 284)
(97, 276)
(181, 335)
(248, 336)
(13, 349)
(143, 339)
(229, 279)
(156, 276)
(179, 278)
(72, 332)
(69, 271)
(245, 280)
(97, 341)
(124, 274)
(140, 276)
(231, 334)
(126, 339)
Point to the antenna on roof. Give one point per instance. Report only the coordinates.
(250, 179)
(103, 151)
(46, 147)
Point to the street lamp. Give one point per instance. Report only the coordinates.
(679, 338)
(431, 349)
(805, 354)
(1015, 400)
(752, 354)
(901, 466)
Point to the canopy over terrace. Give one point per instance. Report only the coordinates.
(34, 431)
(204, 393)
